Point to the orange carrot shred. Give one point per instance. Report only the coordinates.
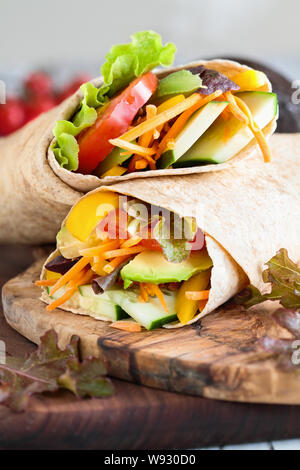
(182, 119)
(197, 295)
(70, 274)
(123, 252)
(128, 326)
(46, 282)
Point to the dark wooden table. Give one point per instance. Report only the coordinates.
(135, 417)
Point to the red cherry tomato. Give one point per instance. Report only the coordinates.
(72, 87)
(12, 116)
(38, 84)
(38, 105)
(113, 120)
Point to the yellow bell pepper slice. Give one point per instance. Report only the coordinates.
(86, 214)
(186, 308)
(250, 80)
(51, 275)
(115, 171)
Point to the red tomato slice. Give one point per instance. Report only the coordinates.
(151, 244)
(113, 120)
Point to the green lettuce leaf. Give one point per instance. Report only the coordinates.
(66, 148)
(284, 277)
(123, 63)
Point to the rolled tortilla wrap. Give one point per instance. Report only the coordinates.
(247, 213)
(34, 200)
(87, 183)
(36, 193)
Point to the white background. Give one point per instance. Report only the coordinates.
(47, 32)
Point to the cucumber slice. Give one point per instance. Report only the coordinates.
(198, 123)
(149, 314)
(215, 147)
(100, 304)
(57, 294)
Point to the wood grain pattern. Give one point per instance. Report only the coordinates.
(136, 417)
(218, 358)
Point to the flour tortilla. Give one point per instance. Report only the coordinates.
(86, 183)
(34, 201)
(247, 212)
(36, 193)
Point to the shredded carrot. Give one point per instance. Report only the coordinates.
(146, 139)
(197, 295)
(130, 327)
(143, 293)
(202, 304)
(64, 298)
(123, 252)
(258, 133)
(234, 108)
(160, 297)
(181, 121)
(110, 267)
(97, 250)
(82, 263)
(131, 242)
(159, 119)
(123, 144)
(46, 282)
(83, 277)
(141, 164)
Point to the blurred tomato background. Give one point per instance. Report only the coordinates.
(48, 48)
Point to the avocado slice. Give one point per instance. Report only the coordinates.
(198, 123)
(214, 147)
(182, 81)
(116, 157)
(67, 244)
(149, 314)
(150, 266)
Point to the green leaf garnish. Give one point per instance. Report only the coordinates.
(284, 277)
(48, 369)
(66, 148)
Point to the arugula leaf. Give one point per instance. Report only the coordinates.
(284, 277)
(175, 249)
(213, 81)
(48, 369)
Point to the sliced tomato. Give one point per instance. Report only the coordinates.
(151, 244)
(113, 120)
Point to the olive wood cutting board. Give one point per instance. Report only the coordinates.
(219, 357)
